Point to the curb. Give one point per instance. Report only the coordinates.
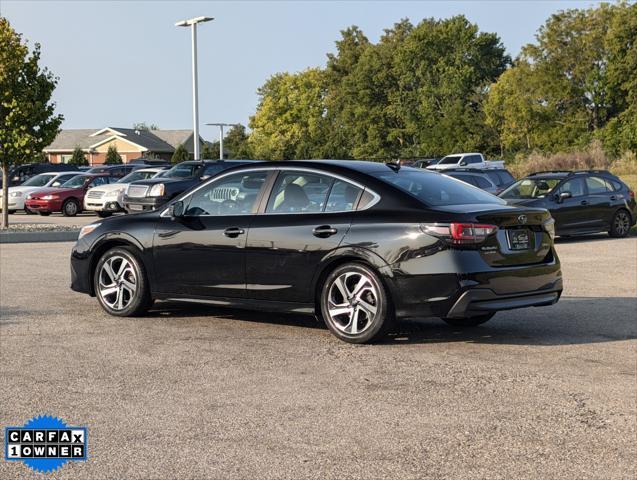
(36, 237)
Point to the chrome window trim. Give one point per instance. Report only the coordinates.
(374, 201)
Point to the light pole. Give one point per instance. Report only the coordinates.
(195, 95)
(221, 125)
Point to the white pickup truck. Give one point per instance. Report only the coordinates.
(471, 160)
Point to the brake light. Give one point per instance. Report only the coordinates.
(631, 194)
(460, 233)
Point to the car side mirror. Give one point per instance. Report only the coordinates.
(563, 196)
(463, 164)
(204, 177)
(177, 209)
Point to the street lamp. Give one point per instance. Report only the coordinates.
(221, 125)
(195, 100)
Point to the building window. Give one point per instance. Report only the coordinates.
(65, 158)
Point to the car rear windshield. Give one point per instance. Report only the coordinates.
(531, 188)
(500, 177)
(434, 189)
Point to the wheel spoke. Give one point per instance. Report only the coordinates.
(353, 324)
(108, 291)
(340, 285)
(340, 310)
(360, 285)
(368, 308)
(107, 268)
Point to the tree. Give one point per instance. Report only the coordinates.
(289, 121)
(236, 143)
(572, 85)
(144, 126)
(28, 122)
(210, 151)
(112, 156)
(180, 154)
(78, 157)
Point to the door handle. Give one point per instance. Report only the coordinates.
(584, 202)
(613, 197)
(233, 232)
(324, 231)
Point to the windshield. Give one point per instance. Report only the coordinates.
(134, 176)
(436, 190)
(76, 181)
(183, 170)
(451, 159)
(531, 188)
(38, 180)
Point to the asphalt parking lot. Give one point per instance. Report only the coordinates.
(198, 392)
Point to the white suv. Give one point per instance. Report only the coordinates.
(107, 199)
(17, 195)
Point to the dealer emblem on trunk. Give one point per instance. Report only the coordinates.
(522, 219)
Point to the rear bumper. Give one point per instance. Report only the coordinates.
(463, 291)
(480, 301)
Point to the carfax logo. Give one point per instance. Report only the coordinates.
(45, 443)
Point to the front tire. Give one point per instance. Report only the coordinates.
(355, 305)
(120, 283)
(11, 212)
(70, 208)
(45, 214)
(620, 225)
(469, 322)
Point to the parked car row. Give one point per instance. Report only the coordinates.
(581, 202)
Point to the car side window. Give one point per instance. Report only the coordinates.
(574, 186)
(343, 197)
(597, 185)
(473, 159)
(299, 192)
(232, 195)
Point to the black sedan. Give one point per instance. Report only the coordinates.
(359, 244)
(581, 202)
(150, 194)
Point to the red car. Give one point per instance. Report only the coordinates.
(68, 198)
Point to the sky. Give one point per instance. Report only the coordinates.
(122, 62)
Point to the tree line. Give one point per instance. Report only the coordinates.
(444, 86)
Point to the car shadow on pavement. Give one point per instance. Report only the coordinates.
(596, 237)
(574, 320)
(171, 309)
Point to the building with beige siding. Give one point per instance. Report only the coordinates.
(130, 143)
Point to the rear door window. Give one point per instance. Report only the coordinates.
(343, 197)
(597, 185)
(299, 192)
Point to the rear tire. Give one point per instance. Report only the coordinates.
(469, 322)
(70, 208)
(120, 283)
(11, 212)
(355, 304)
(620, 225)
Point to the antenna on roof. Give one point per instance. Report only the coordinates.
(395, 166)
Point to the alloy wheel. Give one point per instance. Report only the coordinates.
(352, 303)
(622, 223)
(118, 283)
(70, 208)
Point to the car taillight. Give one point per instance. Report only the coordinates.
(460, 233)
(549, 227)
(631, 194)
